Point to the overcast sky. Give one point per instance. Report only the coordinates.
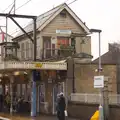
(98, 14)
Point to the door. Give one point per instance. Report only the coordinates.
(57, 89)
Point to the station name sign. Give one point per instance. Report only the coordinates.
(63, 32)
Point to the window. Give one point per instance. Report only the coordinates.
(27, 50)
(2, 52)
(53, 49)
(63, 14)
(62, 41)
(31, 50)
(22, 51)
(38, 41)
(47, 47)
(29, 92)
(42, 92)
(18, 90)
(23, 89)
(38, 47)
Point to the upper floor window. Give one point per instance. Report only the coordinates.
(38, 47)
(62, 41)
(31, 52)
(38, 41)
(63, 14)
(27, 49)
(23, 51)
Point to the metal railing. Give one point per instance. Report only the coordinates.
(48, 53)
(43, 54)
(94, 98)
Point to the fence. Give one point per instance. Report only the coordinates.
(94, 98)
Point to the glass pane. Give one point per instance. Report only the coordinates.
(42, 92)
(27, 50)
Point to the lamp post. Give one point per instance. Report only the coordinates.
(71, 63)
(11, 87)
(99, 70)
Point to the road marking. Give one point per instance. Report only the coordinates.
(3, 118)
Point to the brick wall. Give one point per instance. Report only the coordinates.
(84, 74)
(84, 111)
(81, 110)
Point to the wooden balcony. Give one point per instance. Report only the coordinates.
(56, 53)
(44, 54)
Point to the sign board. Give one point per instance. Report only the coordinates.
(98, 81)
(63, 32)
(38, 65)
(33, 65)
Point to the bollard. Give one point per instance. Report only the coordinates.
(101, 116)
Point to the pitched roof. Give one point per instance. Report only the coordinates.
(44, 19)
(110, 57)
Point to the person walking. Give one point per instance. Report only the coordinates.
(61, 105)
(7, 101)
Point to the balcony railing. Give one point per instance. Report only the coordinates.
(51, 53)
(44, 54)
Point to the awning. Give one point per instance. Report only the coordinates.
(61, 61)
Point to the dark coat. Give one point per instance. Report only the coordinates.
(61, 104)
(61, 108)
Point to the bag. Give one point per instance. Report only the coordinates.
(66, 114)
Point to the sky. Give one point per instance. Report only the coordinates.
(98, 14)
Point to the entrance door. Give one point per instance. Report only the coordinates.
(58, 88)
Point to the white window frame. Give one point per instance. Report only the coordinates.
(43, 92)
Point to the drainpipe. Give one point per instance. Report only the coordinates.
(11, 89)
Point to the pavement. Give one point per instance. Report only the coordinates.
(4, 116)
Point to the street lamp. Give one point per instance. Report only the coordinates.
(99, 70)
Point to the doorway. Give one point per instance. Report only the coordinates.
(58, 88)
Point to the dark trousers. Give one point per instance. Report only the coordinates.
(1, 106)
(60, 115)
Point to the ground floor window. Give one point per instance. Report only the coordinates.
(29, 92)
(18, 90)
(42, 92)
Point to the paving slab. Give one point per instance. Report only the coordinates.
(4, 116)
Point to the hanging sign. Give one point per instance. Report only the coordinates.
(98, 81)
(63, 32)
